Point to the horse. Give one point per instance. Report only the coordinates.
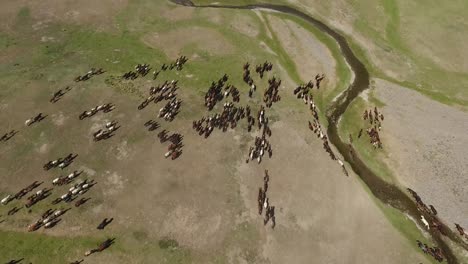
(52, 223)
(107, 243)
(7, 136)
(81, 202)
(14, 210)
(422, 246)
(343, 167)
(6, 200)
(15, 261)
(424, 221)
(104, 223)
(433, 210)
(34, 226)
(460, 230)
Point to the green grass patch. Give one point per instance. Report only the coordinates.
(168, 243)
(38, 248)
(351, 123)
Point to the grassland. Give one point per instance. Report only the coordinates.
(74, 48)
(37, 68)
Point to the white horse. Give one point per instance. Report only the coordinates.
(426, 224)
(6, 200)
(168, 153)
(51, 223)
(72, 175)
(265, 204)
(251, 154)
(58, 213)
(65, 196)
(48, 219)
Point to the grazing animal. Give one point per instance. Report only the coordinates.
(424, 221)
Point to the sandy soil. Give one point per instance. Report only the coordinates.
(426, 142)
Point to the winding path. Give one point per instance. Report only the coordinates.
(385, 192)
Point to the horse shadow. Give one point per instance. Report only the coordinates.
(66, 210)
(104, 223)
(41, 118)
(85, 200)
(14, 210)
(13, 261)
(154, 126)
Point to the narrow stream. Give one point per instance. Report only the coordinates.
(385, 192)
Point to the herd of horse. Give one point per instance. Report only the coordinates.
(88, 75)
(433, 251)
(228, 118)
(106, 108)
(264, 202)
(166, 92)
(303, 92)
(141, 70)
(430, 220)
(51, 217)
(231, 114)
(107, 131)
(375, 121)
(261, 144)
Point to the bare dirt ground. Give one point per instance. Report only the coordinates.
(322, 209)
(97, 14)
(426, 142)
(205, 39)
(245, 25)
(310, 55)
